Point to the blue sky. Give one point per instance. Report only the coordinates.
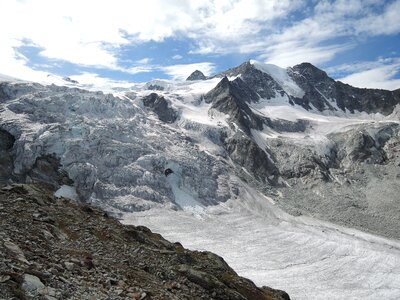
(119, 41)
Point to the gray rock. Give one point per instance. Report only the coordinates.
(47, 168)
(247, 154)
(69, 266)
(196, 75)
(16, 251)
(261, 83)
(6, 156)
(160, 106)
(230, 97)
(319, 87)
(32, 285)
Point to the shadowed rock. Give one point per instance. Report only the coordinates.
(196, 75)
(160, 106)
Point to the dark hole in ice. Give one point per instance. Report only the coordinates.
(168, 171)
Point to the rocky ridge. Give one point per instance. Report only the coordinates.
(319, 90)
(52, 248)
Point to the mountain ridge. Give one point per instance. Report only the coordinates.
(227, 147)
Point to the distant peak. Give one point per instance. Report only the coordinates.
(196, 75)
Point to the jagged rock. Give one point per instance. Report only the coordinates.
(196, 75)
(160, 106)
(260, 82)
(230, 97)
(70, 80)
(364, 145)
(322, 92)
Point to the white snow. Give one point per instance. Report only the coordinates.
(185, 201)
(281, 76)
(66, 191)
(8, 78)
(309, 259)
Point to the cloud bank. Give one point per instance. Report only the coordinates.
(284, 32)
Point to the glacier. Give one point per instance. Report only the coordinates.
(114, 150)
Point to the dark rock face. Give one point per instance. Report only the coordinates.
(246, 153)
(160, 106)
(230, 97)
(47, 169)
(233, 98)
(6, 157)
(196, 75)
(55, 249)
(259, 82)
(155, 87)
(319, 87)
(70, 80)
(321, 91)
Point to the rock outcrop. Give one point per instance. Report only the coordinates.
(6, 157)
(160, 106)
(55, 249)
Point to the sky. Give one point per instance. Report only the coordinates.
(120, 41)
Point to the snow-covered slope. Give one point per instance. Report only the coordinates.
(307, 258)
(241, 148)
(281, 76)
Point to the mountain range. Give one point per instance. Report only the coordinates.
(285, 160)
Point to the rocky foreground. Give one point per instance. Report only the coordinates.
(55, 249)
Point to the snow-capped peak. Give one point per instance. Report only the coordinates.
(281, 76)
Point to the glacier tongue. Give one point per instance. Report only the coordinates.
(309, 259)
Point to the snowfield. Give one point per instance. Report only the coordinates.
(307, 258)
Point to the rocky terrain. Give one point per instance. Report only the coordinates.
(56, 249)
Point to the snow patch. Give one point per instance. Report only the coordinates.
(281, 76)
(67, 191)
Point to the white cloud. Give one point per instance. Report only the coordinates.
(91, 32)
(316, 38)
(92, 79)
(289, 54)
(144, 61)
(378, 74)
(386, 23)
(182, 71)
